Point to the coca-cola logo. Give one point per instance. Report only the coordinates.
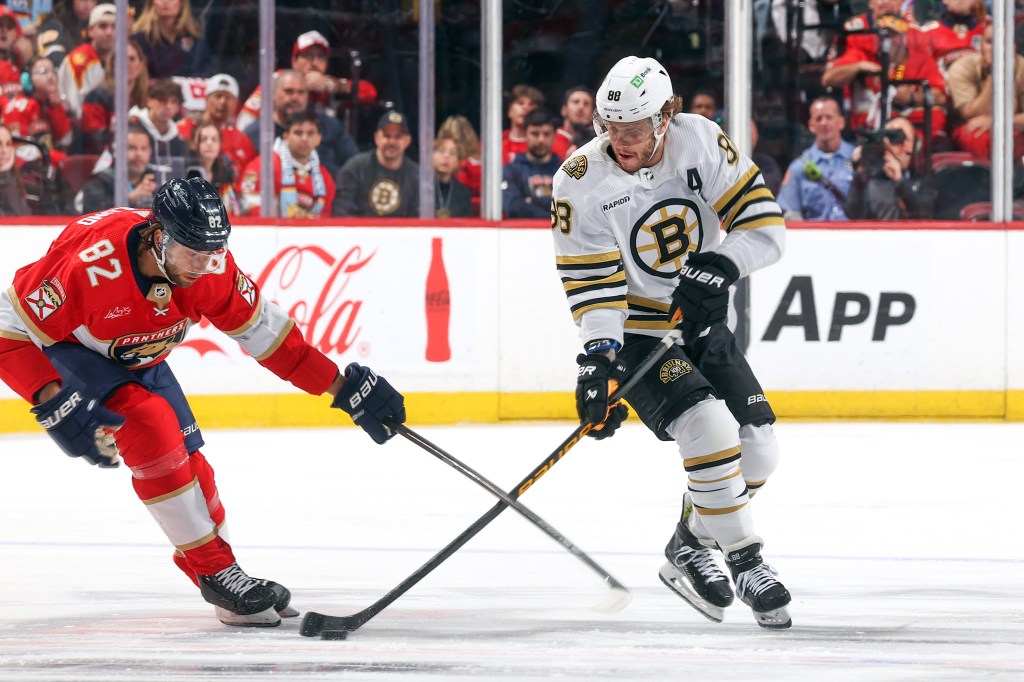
(315, 289)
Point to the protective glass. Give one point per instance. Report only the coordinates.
(634, 132)
(192, 262)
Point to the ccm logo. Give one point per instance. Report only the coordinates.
(364, 390)
(701, 276)
(64, 410)
(756, 398)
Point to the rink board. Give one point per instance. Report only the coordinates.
(865, 321)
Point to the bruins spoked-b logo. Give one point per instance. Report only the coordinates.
(663, 236)
(385, 196)
(673, 369)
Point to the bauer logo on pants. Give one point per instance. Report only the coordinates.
(673, 369)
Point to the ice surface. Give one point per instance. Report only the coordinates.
(901, 544)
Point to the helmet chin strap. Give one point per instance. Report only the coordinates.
(162, 256)
(657, 120)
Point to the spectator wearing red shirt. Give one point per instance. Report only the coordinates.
(859, 68)
(523, 100)
(304, 189)
(956, 32)
(577, 119)
(98, 106)
(221, 106)
(10, 60)
(470, 172)
(309, 57)
(37, 111)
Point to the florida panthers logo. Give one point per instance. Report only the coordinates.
(137, 350)
(663, 236)
(246, 288)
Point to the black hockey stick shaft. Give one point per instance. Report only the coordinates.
(517, 506)
(314, 623)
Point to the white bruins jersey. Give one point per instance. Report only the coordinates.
(621, 238)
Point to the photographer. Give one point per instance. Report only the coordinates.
(884, 185)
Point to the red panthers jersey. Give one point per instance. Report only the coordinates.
(87, 289)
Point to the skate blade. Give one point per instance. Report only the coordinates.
(288, 612)
(670, 576)
(617, 599)
(776, 619)
(267, 618)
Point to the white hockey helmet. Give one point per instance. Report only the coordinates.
(635, 89)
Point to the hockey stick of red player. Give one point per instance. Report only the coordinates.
(620, 595)
(338, 627)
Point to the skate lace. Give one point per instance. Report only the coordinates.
(756, 580)
(702, 560)
(234, 579)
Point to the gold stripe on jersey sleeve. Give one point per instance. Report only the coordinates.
(614, 305)
(691, 462)
(616, 278)
(730, 194)
(256, 313)
(26, 317)
(588, 259)
(277, 342)
(750, 197)
(766, 221)
(663, 325)
(12, 336)
(633, 299)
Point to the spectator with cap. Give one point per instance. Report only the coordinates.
(301, 185)
(221, 105)
(577, 127)
(310, 57)
(63, 29)
(526, 185)
(172, 39)
(292, 96)
(817, 182)
(11, 59)
(82, 69)
(381, 182)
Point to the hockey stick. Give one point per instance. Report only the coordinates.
(338, 627)
(619, 597)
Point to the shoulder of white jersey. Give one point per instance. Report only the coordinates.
(692, 137)
(580, 170)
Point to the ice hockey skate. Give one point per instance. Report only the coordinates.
(243, 601)
(757, 585)
(692, 572)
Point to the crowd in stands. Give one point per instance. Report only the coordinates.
(915, 87)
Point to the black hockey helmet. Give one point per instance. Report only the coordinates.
(192, 214)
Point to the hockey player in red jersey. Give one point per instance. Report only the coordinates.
(84, 332)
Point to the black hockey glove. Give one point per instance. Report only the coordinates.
(702, 295)
(80, 427)
(598, 378)
(371, 401)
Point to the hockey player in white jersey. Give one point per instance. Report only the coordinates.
(637, 216)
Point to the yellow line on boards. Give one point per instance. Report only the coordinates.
(297, 410)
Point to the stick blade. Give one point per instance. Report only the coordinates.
(312, 624)
(617, 599)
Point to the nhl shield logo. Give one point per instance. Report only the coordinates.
(674, 369)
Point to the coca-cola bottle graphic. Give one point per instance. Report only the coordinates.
(438, 306)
